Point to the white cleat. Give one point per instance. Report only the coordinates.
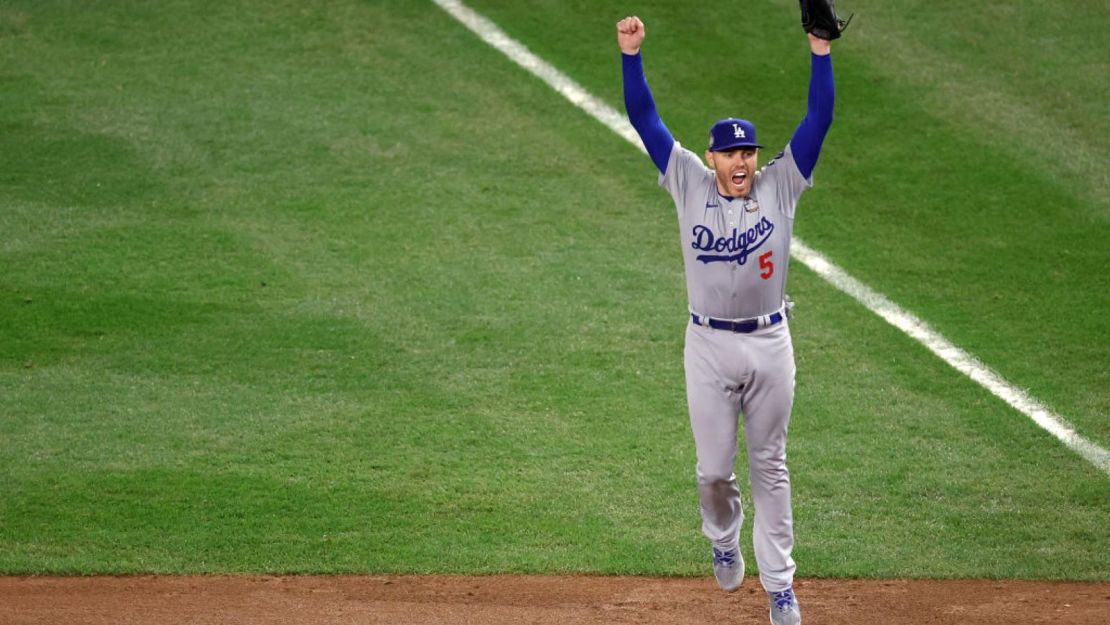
(784, 608)
(728, 568)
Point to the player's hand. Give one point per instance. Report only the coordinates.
(630, 34)
(819, 46)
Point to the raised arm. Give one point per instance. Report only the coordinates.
(810, 134)
(637, 97)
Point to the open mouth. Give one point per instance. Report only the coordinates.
(738, 178)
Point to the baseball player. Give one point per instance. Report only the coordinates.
(735, 220)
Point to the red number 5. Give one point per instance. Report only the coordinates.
(767, 265)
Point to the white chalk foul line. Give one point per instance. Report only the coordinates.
(960, 360)
(875, 302)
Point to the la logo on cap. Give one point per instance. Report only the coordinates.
(738, 132)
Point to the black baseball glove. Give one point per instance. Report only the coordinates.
(819, 18)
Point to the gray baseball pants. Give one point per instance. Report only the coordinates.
(728, 374)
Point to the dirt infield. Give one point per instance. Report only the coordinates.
(421, 600)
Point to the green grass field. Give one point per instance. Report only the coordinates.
(336, 287)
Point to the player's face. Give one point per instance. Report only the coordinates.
(735, 170)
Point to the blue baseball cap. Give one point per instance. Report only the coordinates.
(732, 133)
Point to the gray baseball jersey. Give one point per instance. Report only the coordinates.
(736, 251)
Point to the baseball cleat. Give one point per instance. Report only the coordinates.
(784, 608)
(728, 568)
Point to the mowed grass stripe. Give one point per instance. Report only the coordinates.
(361, 311)
(1024, 102)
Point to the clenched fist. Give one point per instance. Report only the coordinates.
(630, 34)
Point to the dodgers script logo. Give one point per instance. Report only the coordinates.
(732, 248)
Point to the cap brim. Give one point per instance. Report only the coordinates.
(735, 146)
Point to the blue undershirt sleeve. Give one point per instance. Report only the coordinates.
(641, 112)
(807, 139)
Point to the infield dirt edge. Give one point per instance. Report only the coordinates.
(542, 600)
